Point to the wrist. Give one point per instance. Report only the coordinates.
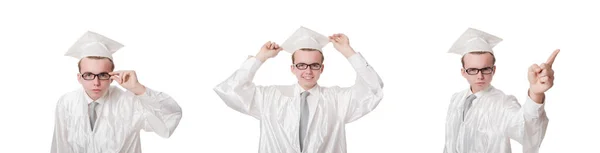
(138, 89)
(537, 97)
(347, 51)
(261, 57)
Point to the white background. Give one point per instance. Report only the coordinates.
(186, 48)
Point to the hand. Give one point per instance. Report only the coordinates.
(541, 78)
(128, 80)
(342, 44)
(268, 50)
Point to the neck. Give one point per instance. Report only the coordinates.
(306, 87)
(93, 98)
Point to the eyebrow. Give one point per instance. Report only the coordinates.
(94, 73)
(481, 68)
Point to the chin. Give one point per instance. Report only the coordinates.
(481, 86)
(95, 94)
(92, 92)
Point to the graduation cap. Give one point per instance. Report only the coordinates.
(474, 40)
(93, 44)
(305, 38)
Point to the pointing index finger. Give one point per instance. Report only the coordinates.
(550, 60)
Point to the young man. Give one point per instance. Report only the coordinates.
(303, 117)
(100, 118)
(483, 118)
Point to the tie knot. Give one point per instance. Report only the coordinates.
(471, 97)
(304, 94)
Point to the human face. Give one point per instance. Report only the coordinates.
(482, 68)
(307, 67)
(96, 87)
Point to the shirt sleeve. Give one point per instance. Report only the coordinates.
(239, 92)
(527, 125)
(160, 112)
(364, 96)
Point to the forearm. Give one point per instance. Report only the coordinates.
(527, 124)
(238, 91)
(535, 125)
(347, 52)
(138, 89)
(366, 93)
(365, 73)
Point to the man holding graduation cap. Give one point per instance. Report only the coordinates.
(100, 118)
(483, 118)
(303, 117)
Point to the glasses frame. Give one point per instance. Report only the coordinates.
(477, 71)
(95, 76)
(312, 66)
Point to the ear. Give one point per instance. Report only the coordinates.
(463, 73)
(494, 72)
(322, 67)
(79, 79)
(292, 69)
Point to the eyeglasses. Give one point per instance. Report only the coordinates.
(92, 76)
(303, 66)
(485, 70)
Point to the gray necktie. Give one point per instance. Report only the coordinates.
(303, 117)
(468, 103)
(92, 113)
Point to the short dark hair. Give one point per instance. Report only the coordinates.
(308, 49)
(462, 60)
(112, 68)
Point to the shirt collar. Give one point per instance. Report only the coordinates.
(313, 91)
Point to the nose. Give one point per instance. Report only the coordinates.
(96, 81)
(308, 71)
(480, 76)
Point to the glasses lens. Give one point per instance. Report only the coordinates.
(487, 70)
(315, 66)
(472, 71)
(103, 76)
(88, 76)
(301, 66)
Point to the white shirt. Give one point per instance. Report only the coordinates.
(120, 117)
(493, 119)
(278, 108)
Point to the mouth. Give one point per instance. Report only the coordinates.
(480, 83)
(308, 77)
(96, 90)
